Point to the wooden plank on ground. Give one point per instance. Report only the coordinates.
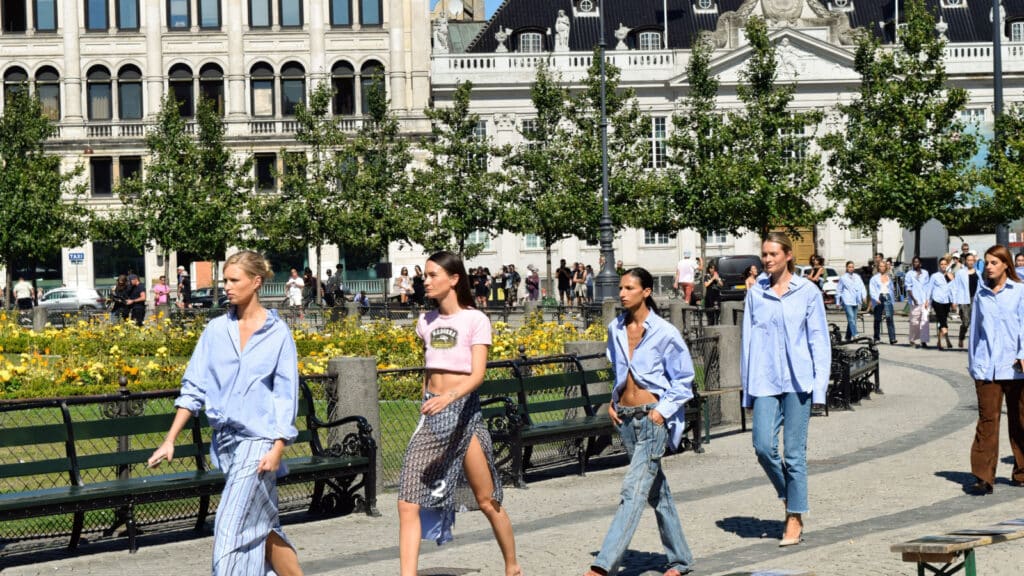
(959, 540)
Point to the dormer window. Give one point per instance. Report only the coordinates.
(705, 6)
(1017, 31)
(840, 5)
(954, 3)
(531, 42)
(649, 41)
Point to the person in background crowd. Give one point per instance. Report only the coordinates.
(1018, 264)
(136, 300)
(184, 288)
(579, 283)
(965, 286)
(877, 260)
(712, 294)
(588, 282)
(918, 284)
(698, 283)
(362, 300)
(941, 295)
(882, 297)
(23, 294)
(564, 276)
(498, 286)
(309, 286)
(418, 291)
(482, 287)
(160, 291)
(750, 276)
(329, 287)
(850, 294)
(996, 363)
(817, 273)
(119, 307)
(512, 280)
(784, 368)
(619, 268)
(532, 283)
(403, 286)
(685, 275)
(293, 289)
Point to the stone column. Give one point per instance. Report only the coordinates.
(675, 316)
(530, 308)
(317, 52)
(72, 65)
(729, 348)
(39, 319)
(727, 308)
(420, 28)
(586, 348)
(236, 104)
(396, 64)
(355, 387)
(608, 311)
(154, 72)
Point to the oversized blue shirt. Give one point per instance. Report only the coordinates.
(252, 391)
(962, 286)
(996, 336)
(661, 364)
(785, 341)
(876, 289)
(851, 290)
(941, 289)
(919, 286)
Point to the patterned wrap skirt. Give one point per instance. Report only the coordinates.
(247, 512)
(432, 472)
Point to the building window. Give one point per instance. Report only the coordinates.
(657, 159)
(343, 81)
(794, 144)
(479, 238)
(178, 17)
(368, 76)
(859, 234)
(14, 81)
(533, 242)
(293, 87)
(341, 12)
(291, 13)
(717, 237)
(370, 13)
(652, 238)
(211, 86)
(1016, 31)
(259, 13)
(531, 42)
(98, 93)
(15, 15)
(180, 80)
(101, 176)
(96, 15)
(265, 165)
(650, 41)
(48, 92)
(209, 14)
(262, 83)
(480, 135)
(973, 116)
(131, 167)
(127, 13)
(46, 15)
(129, 93)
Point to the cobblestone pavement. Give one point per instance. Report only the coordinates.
(891, 470)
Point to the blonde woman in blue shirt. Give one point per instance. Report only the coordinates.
(653, 380)
(942, 298)
(880, 290)
(784, 368)
(995, 361)
(244, 371)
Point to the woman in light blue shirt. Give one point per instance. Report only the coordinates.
(880, 289)
(851, 294)
(965, 286)
(784, 367)
(653, 381)
(995, 358)
(244, 371)
(942, 299)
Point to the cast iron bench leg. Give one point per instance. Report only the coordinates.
(76, 530)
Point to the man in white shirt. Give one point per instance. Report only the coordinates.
(23, 294)
(293, 288)
(684, 275)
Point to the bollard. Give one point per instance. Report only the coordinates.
(608, 307)
(729, 350)
(675, 315)
(352, 310)
(530, 308)
(39, 319)
(732, 313)
(356, 393)
(163, 312)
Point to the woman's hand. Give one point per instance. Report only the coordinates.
(271, 461)
(164, 452)
(614, 415)
(437, 404)
(656, 417)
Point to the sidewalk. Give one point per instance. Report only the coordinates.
(891, 470)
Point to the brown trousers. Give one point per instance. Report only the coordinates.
(985, 449)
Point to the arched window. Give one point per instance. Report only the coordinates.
(180, 81)
(343, 80)
(531, 42)
(97, 87)
(129, 93)
(14, 81)
(48, 91)
(371, 72)
(262, 86)
(293, 87)
(211, 86)
(649, 41)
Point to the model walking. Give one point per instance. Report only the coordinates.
(653, 381)
(851, 294)
(451, 446)
(965, 286)
(918, 284)
(784, 368)
(880, 289)
(942, 300)
(244, 371)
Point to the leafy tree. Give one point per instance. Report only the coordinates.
(769, 156)
(457, 192)
(42, 211)
(904, 153)
(1004, 173)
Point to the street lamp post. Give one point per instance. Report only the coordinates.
(1002, 230)
(606, 284)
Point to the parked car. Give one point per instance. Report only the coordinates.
(72, 299)
(731, 270)
(831, 280)
(203, 298)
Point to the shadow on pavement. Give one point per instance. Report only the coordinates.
(964, 479)
(750, 527)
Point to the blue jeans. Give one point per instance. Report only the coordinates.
(645, 483)
(851, 320)
(791, 412)
(884, 308)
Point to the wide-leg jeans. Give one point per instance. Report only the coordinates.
(788, 474)
(884, 309)
(851, 320)
(645, 483)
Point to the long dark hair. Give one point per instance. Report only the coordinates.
(453, 265)
(646, 281)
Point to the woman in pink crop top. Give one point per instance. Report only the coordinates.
(451, 446)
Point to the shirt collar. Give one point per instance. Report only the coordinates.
(1010, 284)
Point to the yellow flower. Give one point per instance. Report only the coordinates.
(5, 375)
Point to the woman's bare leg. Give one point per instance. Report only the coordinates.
(478, 472)
(409, 537)
(282, 557)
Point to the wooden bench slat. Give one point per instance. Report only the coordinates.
(562, 404)
(500, 387)
(53, 466)
(107, 459)
(33, 435)
(128, 426)
(551, 382)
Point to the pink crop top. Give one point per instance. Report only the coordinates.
(448, 340)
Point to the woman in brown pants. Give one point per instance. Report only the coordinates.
(995, 357)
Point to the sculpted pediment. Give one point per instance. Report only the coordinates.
(798, 14)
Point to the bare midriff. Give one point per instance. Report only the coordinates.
(634, 395)
(441, 382)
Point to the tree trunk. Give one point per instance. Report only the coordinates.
(703, 251)
(215, 291)
(548, 281)
(8, 287)
(316, 278)
(917, 241)
(874, 243)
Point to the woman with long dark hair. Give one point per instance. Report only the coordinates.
(942, 299)
(996, 362)
(653, 381)
(451, 446)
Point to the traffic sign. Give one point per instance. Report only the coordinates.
(76, 257)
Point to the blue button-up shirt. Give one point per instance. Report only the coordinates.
(876, 289)
(962, 286)
(785, 342)
(941, 289)
(851, 290)
(996, 335)
(661, 364)
(918, 286)
(253, 391)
